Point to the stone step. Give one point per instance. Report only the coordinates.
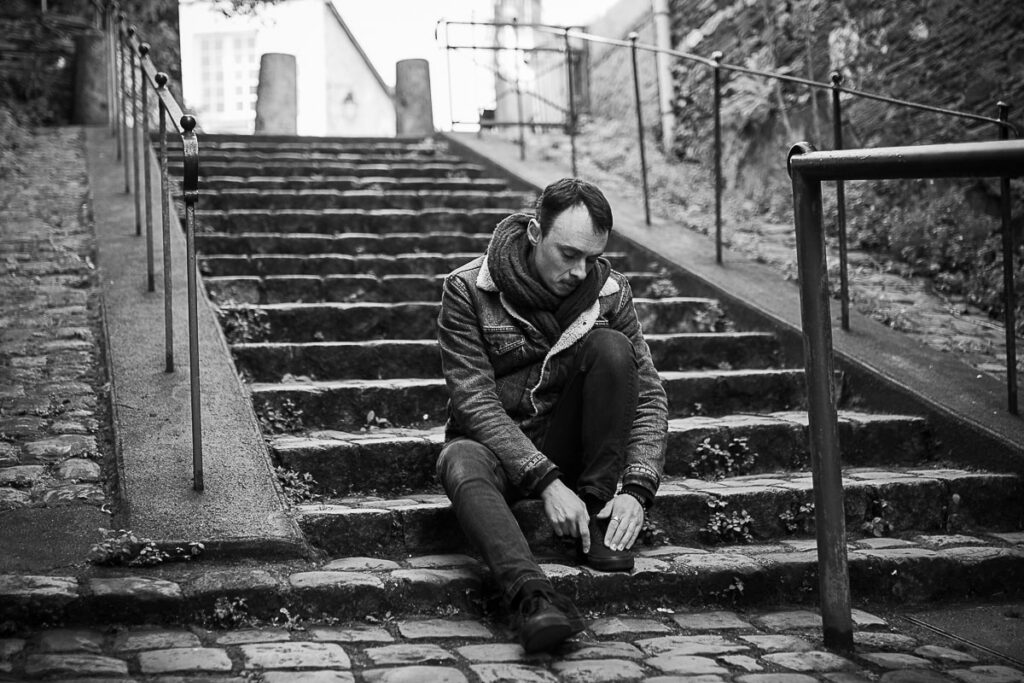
(337, 221)
(277, 289)
(735, 511)
(440, 263)
(228, 182)
(382, 359)
(348, 243)
(277, 168)
(393, 459)
(921, 569)
(279, 157)
(417, 320)
(413, 200)
(333, 264)
(265, 144)
(421, 402)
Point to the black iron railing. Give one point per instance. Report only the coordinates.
(808, 169)
(1004, 129)
(132, 77)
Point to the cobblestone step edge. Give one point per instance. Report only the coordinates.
(926, 568)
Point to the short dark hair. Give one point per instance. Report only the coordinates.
(569, 192)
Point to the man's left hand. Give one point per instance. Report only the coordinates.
(627, 518)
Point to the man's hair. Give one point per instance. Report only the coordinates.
(569, 192)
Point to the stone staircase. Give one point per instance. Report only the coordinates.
(325, 258)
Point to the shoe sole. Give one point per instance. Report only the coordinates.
(616, 565)
(548, 636)
(602, 564)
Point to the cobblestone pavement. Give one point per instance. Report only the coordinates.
(50, 359)
(705, 647)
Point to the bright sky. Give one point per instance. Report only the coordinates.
(392, 30)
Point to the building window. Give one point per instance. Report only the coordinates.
(228, 72)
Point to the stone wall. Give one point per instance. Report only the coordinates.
(611, 67)
(947, 53)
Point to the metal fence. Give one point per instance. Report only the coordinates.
(808, 168)
(1004, 129)
(132, 78)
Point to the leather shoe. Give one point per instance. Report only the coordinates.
(600, 556)
(542, 626)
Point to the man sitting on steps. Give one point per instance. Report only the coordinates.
(553, 395)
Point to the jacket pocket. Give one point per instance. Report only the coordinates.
(509, 354)
(502, 340)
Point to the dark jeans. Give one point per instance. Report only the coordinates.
(586, 438)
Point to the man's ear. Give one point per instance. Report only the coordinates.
(533, 232)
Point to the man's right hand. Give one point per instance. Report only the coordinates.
(566, 512)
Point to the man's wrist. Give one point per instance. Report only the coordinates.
(639, 494)
(544, 485)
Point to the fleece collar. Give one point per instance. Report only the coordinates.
(572, 334)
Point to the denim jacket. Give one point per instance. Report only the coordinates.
(501, 374)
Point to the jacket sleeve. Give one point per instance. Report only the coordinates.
(645, 454)
(475, 405)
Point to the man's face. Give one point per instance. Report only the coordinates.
(568, 252)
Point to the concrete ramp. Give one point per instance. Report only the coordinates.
(241, 512)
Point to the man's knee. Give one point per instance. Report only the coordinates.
(605, 345)
(464, 460)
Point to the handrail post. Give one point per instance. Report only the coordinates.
(519, 90)
(830, 524)
(165, 223)
(190, 191)
(1009, 291)
(146, 173)
(571, 123)
(837, 135)
(717, 57)
(121, 104)
(135, 137)
(640, 128)
(108, 33)
(448, 66)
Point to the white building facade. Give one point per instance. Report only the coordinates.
(339, 90)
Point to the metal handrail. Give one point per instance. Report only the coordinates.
(1004, 128)
(808, 168)
(126, 51)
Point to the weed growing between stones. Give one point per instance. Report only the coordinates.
(799, 518)
(123, 548)
(651, 534)
(280, 418)
(288, 621)
(373, 421)
(713, 461)
(727, 527)
(663, 288)
(227, 613)
(298, 487)
(878, 525)
(732, 593)
(242, 324)
(713, 319)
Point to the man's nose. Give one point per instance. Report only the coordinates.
(579, 269)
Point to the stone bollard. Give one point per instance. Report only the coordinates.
(413, 109)
(277, 95)
(90, 104)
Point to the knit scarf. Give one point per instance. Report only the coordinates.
(508, 258)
